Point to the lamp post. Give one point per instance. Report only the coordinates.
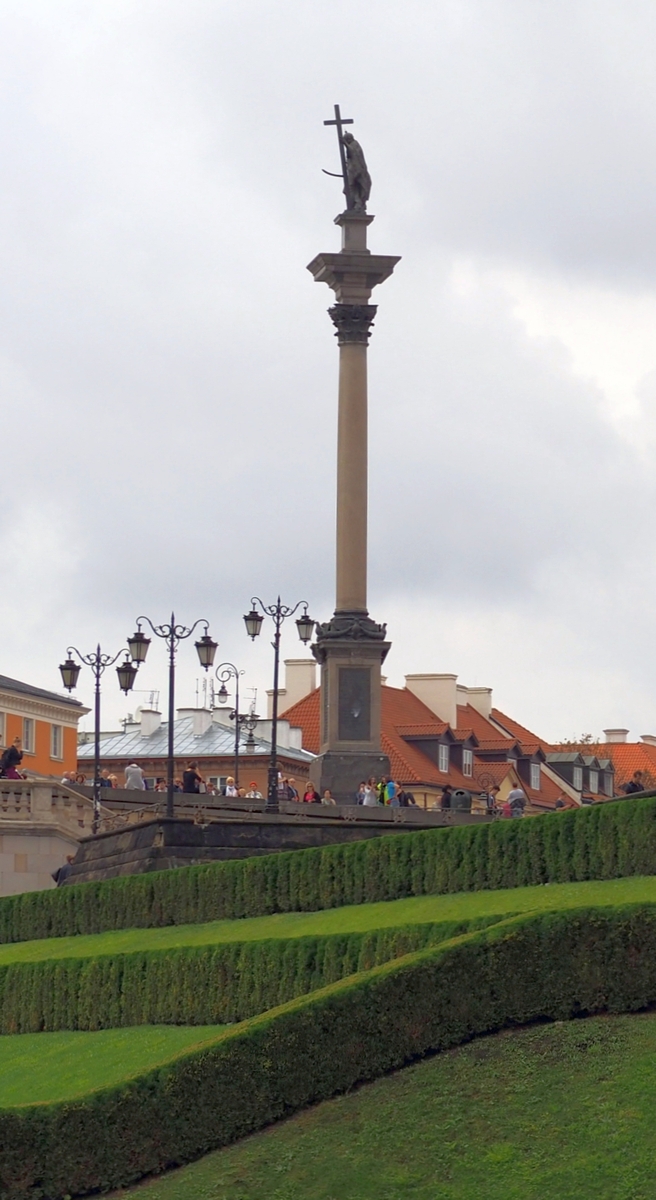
(224, 673)
(70, 671)
(172, 634)
(305, 625)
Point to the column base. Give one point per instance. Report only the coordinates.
(343, 772)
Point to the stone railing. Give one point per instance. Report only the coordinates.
(39, 803)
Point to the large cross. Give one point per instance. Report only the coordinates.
(339, 122)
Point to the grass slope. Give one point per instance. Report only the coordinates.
(355, 918)
(37, 1068)
(547, 1113)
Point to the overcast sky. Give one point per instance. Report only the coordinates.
(169, 373)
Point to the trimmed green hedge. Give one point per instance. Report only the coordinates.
(197, 985)
(553, 965)
(602, 842)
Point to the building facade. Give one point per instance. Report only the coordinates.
(45, 722)
(201, 735)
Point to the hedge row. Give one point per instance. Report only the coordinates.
(554, 965)
(196, 985)
(601, 842)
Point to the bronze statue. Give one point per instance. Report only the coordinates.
(357, 175)
(357, 180)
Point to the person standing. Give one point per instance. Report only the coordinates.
(229, 789)
(328, 797)
(445, 802)
(134, 778)
(390, 793)
(254, 793)
(517, 801)
(311, 795)
(11, 760)
(634, 785)
(191, 780)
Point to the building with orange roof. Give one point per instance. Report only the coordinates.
(438, 733)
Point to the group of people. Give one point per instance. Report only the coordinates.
(372, 792)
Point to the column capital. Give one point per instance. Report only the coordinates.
(353, 322)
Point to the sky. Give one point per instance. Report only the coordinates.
(168, 372)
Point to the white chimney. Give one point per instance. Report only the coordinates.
(649, 738)
(221, 716)
(616, 735)
(300, 680)
(438, 693)
(201, 721)
(150, 722)
(480, 698)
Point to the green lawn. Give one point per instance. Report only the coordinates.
(41, 1067)
(553, 1112)
(416, 910)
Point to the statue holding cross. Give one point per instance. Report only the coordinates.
(357, 180)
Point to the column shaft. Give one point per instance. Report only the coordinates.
(352, 480)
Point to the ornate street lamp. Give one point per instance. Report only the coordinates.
(253, 622)
(172, 634)
(224, 673)
(70, 672)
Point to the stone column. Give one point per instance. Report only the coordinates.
(353, 324)
(351, 647)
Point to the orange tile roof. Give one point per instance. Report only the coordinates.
(627, 757)
(419, 730)
(404, 715)
(514, 729)
(305, 713)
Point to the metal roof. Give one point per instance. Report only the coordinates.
(26, 689)
(217, 740)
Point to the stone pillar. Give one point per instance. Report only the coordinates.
(351, 647)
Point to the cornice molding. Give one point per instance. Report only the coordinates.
(47, 710)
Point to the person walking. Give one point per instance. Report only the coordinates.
(134, 778)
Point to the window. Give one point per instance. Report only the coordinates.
(535, 776)
(28, 735)
(594, 782)
(578, 779)
(467, 762)
(443, 759)
(56, 741)
(2, 729)
(608, 783)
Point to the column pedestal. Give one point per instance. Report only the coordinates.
(351, 649)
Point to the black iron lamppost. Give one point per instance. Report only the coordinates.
(224, 673)
(172, 634)
(98, 661)
(305, 625)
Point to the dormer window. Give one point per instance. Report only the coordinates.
(594, 782)
(608, 783)
(443, 758)
(577, 778)
(535, 777)
(467, 762)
